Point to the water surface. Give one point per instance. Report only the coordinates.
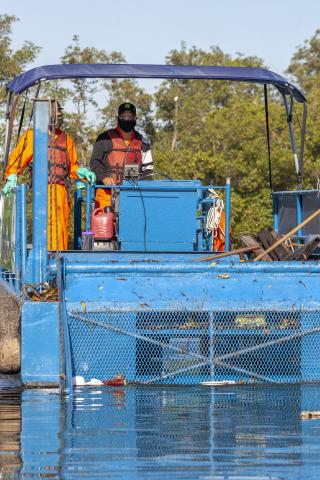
(243, 432)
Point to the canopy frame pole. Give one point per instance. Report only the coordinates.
(292, 137)
(11, 101)
(266, 108)
(303, 135)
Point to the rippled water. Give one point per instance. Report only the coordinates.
(242, 432)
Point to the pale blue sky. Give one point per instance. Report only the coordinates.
(145, 30)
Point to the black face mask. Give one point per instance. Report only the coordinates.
(126, 125)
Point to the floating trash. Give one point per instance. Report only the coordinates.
(117, 381)
(306, 415)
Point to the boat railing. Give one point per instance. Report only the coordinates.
(13, 236)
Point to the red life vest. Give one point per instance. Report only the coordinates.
(121, 154)
(58, 160)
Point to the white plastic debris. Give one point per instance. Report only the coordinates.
(94, 381)
(78, 380)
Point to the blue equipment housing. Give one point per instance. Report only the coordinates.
(152, 311)
(159, 216)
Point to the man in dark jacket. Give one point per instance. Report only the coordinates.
(116, 148)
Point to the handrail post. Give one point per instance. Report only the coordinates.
(299, 215)
(227, 216)
(23, 231)
(275, 201)
(88, 206)
(17, 237)
(40, 191)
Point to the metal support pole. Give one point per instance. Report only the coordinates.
(299, 215)
(40, 191)
(77, 228)
(23, 231)
(227, 218)
(275, 201)
(88, 206)
(292, 138)
(17, 238)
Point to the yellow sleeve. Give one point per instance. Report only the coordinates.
(73, 157)
(21, 155)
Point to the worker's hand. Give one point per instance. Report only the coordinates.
(10, 185)
(84, 172)
(108, 181)
(80, 184)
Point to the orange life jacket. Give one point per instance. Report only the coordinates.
(121, 154)
(58, 160)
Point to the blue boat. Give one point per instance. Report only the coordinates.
(151, 312)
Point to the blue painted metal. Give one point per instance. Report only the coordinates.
(299, 214)
(77, 212)
(40, 191)
(88, 206)
(66, 354)
(40, 343)
(275, 205)
(17, 236)
(23, 231)
(110, 264)
(227, 215)
(154, 218)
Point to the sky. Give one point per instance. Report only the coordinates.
(146, 30)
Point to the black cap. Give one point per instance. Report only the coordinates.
(127, 107)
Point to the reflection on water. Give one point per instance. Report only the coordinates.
(242, 432)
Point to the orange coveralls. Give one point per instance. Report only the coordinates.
(58, 197)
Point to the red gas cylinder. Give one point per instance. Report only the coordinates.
(102, 223)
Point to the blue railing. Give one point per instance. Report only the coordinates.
(13, 237)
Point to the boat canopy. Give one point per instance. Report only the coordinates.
(70, 71)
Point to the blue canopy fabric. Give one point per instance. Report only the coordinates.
(71, 71)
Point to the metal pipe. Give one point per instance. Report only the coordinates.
(188, 267)
(168, 187)
(23, 231)
(40, 191)
(227, 216)
(292, 138)
(17, 253)
(299, 215)
(66, 343)
(275, 201)
(303, 134)
(88, 205)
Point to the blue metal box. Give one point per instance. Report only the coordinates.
(159, 215)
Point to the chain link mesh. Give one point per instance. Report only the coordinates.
(189, 347)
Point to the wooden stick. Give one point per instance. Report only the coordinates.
(227, 254)
(287, 235)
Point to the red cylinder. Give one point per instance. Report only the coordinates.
(102, 223)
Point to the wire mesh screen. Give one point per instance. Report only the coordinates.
(189, 347)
